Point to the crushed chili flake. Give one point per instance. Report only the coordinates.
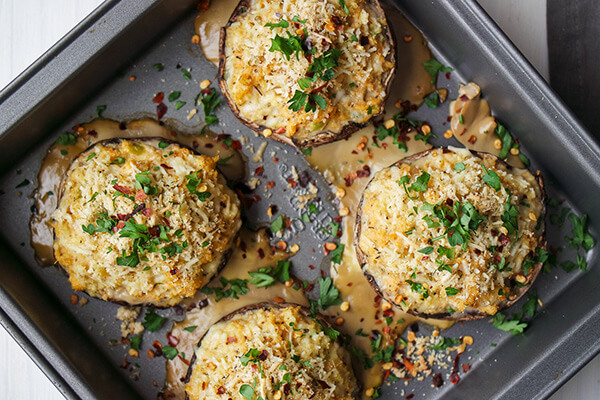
(466, 367)
(270, 185)
(93, 133)
(292, 182)
(158, 98)
(161, 110)
(173, 340)
(258, 171)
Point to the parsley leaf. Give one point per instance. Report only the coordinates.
(153, 321)
(281, 24)
(450, 291)
(445, 342)
(459, 167)
(418, 288)
(297, 101)
(100, 109)
(433, 100)
(135, 341)
(278, 224)
(342, 4)
(169, 352)
(514, 326)
(328, 294)
(287, 47)
(581, 236)
(336, 254)
(210, 102)
(174, 96)
(433, 66)
(491, 178)
(66, 139)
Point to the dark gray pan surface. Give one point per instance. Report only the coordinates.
(126, 39)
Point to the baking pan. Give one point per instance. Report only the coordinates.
(90, 66)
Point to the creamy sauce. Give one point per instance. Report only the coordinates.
(239, 265)
(473, 125)
(208, 26)
(57, 162)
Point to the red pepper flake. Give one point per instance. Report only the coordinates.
(437, 380)
(280, 130)
(120, 225)
(140, 195)
(270, 185)
(466, 367)
(410, 396)
(464, 98)
(236, 145)
(292, 182)
(388, 313)
(158, 98)
(173, 340)
(221, 390)
(206, 91)
(174, 271)
(275, 160)
(93, 133)
(494, 232)
(256, 198)
(123, 189)
(147, 212)
(454, 378)
(231, 339)
(259, 170)
(504, 239)
(386, 330)
(311, 267)
(161, 110)
(261, 253)
(310, 287)
(448, 75)
(186, 362)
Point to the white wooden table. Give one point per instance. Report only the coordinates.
(30, 27)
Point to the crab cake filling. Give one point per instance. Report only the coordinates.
(450, 233)
(307, 69)
(143, 221)
(270, 353)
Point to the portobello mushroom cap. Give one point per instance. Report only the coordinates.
(409, 213)
(285, 343)
(259, 81)
(143, 221)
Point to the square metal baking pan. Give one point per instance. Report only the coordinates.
(64, 86)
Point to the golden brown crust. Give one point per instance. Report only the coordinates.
(304, 311)
(324, 136)
(469, 314)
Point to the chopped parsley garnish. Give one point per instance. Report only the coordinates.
(174, 96)
(278, 224)
(433, 100)
(117, 161)
(135, 341)
(313, 208)
(418, 288)
(281, 24)
(336, 254)
(419, 186)
(393, 132)
(491, 178)
(247, 391)
(158, 66)
(287, 47)
(445, 342)
(459, 220)
(426, 250)
(90, 156)
(459, 167)
(581, 236)
(169, 352)
(517, 323)
(153, 321)
(510, 215)
(100, 109)
(433, 66)
(307, 101)
(163, 145)
(450, 291)
(186, 74)
(507, 141)
(342, 4)
(307, 151)
(66, 139)
(210, 102)
(190, 328)
(328, 294)
(229, 288)
(143, 181)
(298, 20)
(25, 182)
(569, 265)
(192, 186)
